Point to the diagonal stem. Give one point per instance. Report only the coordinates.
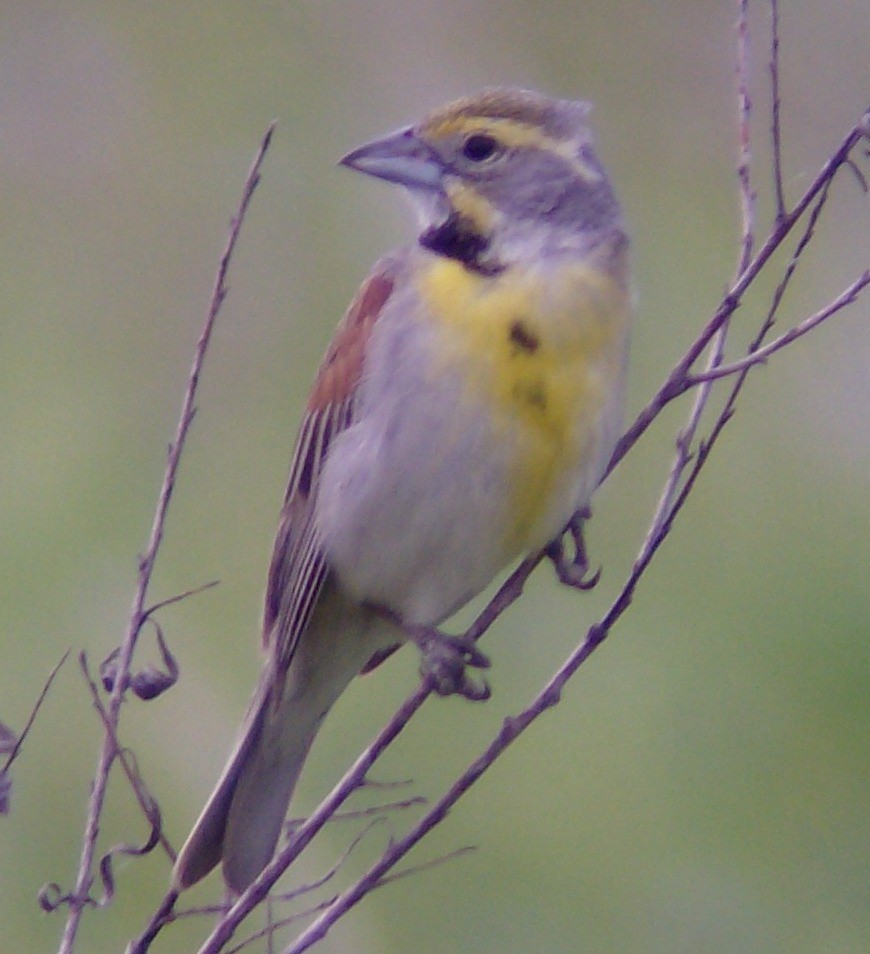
(109, 749)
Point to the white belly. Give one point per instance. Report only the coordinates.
(411, 505)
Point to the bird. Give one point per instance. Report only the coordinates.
(466, 408)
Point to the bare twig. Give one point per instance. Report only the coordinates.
(37, 705)
(775, 131)
(686, 435)
(427, 865)
(744, 115)
(794, 261)
(270, 929)
(310, 886)
(760, 355)
(178, 598)
(328, 903)
(413, 801)
(677, 381)
(10, 744)
(109, 748)
(304, 889)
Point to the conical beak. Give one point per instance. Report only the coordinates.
(401, 157)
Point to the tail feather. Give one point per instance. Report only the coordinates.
(204, 846)
(263, 790)
(241, 822)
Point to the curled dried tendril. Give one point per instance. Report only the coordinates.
(147, 683)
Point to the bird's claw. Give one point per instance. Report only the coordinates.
(445, 663)
(574, 570)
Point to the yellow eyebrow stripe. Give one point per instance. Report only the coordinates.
(512, 135)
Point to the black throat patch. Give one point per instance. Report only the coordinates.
(456, 238)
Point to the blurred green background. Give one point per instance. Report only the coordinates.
(704, 784)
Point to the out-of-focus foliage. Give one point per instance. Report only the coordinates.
(704, 785)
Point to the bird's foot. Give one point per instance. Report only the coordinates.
(446, 661)
(574, 570)
(445, 658)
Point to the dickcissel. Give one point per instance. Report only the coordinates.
(465, 410)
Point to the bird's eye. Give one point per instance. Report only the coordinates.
(480, 147)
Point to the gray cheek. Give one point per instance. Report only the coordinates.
(545, 186)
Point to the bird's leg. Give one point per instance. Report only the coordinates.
(445, 659)
(573, 570)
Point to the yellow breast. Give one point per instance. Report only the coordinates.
(543, 351)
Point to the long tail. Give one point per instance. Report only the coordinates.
(241, 822)
(205, 844)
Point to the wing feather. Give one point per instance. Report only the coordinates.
(299, 568)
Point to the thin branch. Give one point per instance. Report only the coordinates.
(178, 598)
(760, 355)
(414, 801)
(270, 929)
(683, 443)
(686, 435)
(794, 261)
(427, 865)
(775, 131)
(310, 886)
(146, 564)
(339, 906)
(10, 744)
(16, 748)
(744, 114)
(676, 382)
(387, 784)
(790, 270)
